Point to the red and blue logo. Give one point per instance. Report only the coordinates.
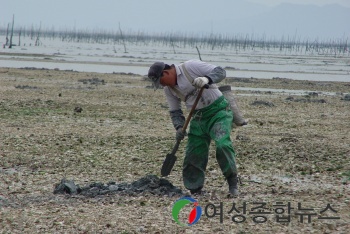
(194, 214)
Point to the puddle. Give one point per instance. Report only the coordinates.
(283, 91)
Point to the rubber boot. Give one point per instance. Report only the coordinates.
(232, 181)
(196, 191)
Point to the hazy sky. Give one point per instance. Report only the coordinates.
(139, 15)
(345, 3)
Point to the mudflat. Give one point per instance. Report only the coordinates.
(106, 136)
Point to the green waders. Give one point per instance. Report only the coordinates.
(213, 122)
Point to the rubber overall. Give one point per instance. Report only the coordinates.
(213, 122)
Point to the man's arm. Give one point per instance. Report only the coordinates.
(178, 118)
(197, 68)
(175, 111)
(216, 75)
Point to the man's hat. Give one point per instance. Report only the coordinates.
(155, 72)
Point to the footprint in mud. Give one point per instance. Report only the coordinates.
(148, 184)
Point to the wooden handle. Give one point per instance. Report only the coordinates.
(194, 107)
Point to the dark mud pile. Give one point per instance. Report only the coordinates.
(149, 184)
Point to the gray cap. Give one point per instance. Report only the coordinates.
(155, 72)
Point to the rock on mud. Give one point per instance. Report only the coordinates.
(148, 184)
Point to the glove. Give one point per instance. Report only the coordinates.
(180, 135)
(199, 82)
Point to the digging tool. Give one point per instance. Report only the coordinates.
(170, 159)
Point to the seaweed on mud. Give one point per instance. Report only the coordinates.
(25, 87)
(262, 103)
(148, 184)
(93, 81)
(346, 97)
(306, 100)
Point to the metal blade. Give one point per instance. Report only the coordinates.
(168, 164)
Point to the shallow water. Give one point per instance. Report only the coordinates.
(107, 58)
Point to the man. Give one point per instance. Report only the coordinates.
(212, 118)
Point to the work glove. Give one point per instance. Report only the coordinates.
(180, 135)
(199, 82)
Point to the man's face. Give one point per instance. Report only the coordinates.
(168, 77)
